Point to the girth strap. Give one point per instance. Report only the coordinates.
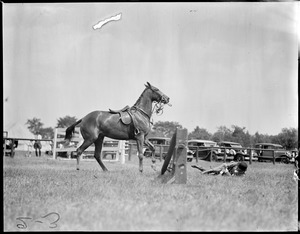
(126, 117)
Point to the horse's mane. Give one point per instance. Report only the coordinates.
(139, 99)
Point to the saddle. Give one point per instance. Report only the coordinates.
(125, 115)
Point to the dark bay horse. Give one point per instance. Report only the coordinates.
(132, 123)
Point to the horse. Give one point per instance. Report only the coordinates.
(130, 123)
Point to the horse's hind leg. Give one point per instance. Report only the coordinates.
(98, 148)
(82, 148)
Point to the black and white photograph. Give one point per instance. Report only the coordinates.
(150, 116)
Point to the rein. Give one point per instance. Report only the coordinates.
(142, 111)
(159, 106)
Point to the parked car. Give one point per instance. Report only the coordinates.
(234, 151)
(266, 152)
(204, 149)
(161, 145)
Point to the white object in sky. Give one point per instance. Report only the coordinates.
(103, 22)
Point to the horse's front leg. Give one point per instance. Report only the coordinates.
(152, 148)
(139, 143)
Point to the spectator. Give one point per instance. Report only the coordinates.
(38, 146)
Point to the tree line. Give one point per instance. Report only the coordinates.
(36, 126)
(288, 137)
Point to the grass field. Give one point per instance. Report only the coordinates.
(50, 195)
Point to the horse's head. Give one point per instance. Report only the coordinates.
(158, 96)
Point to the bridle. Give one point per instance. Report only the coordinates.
(159, 106)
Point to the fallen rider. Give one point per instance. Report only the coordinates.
(230, 169)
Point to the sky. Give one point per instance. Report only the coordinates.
(221, 64)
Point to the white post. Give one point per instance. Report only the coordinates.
(122, 155)
(54, 144)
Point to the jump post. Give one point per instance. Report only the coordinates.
(176, 159)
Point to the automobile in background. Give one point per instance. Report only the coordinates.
(161, 146)
(234, 151)
(265, 152)
(203, 147)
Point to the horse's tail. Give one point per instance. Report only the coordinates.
(70, 130)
